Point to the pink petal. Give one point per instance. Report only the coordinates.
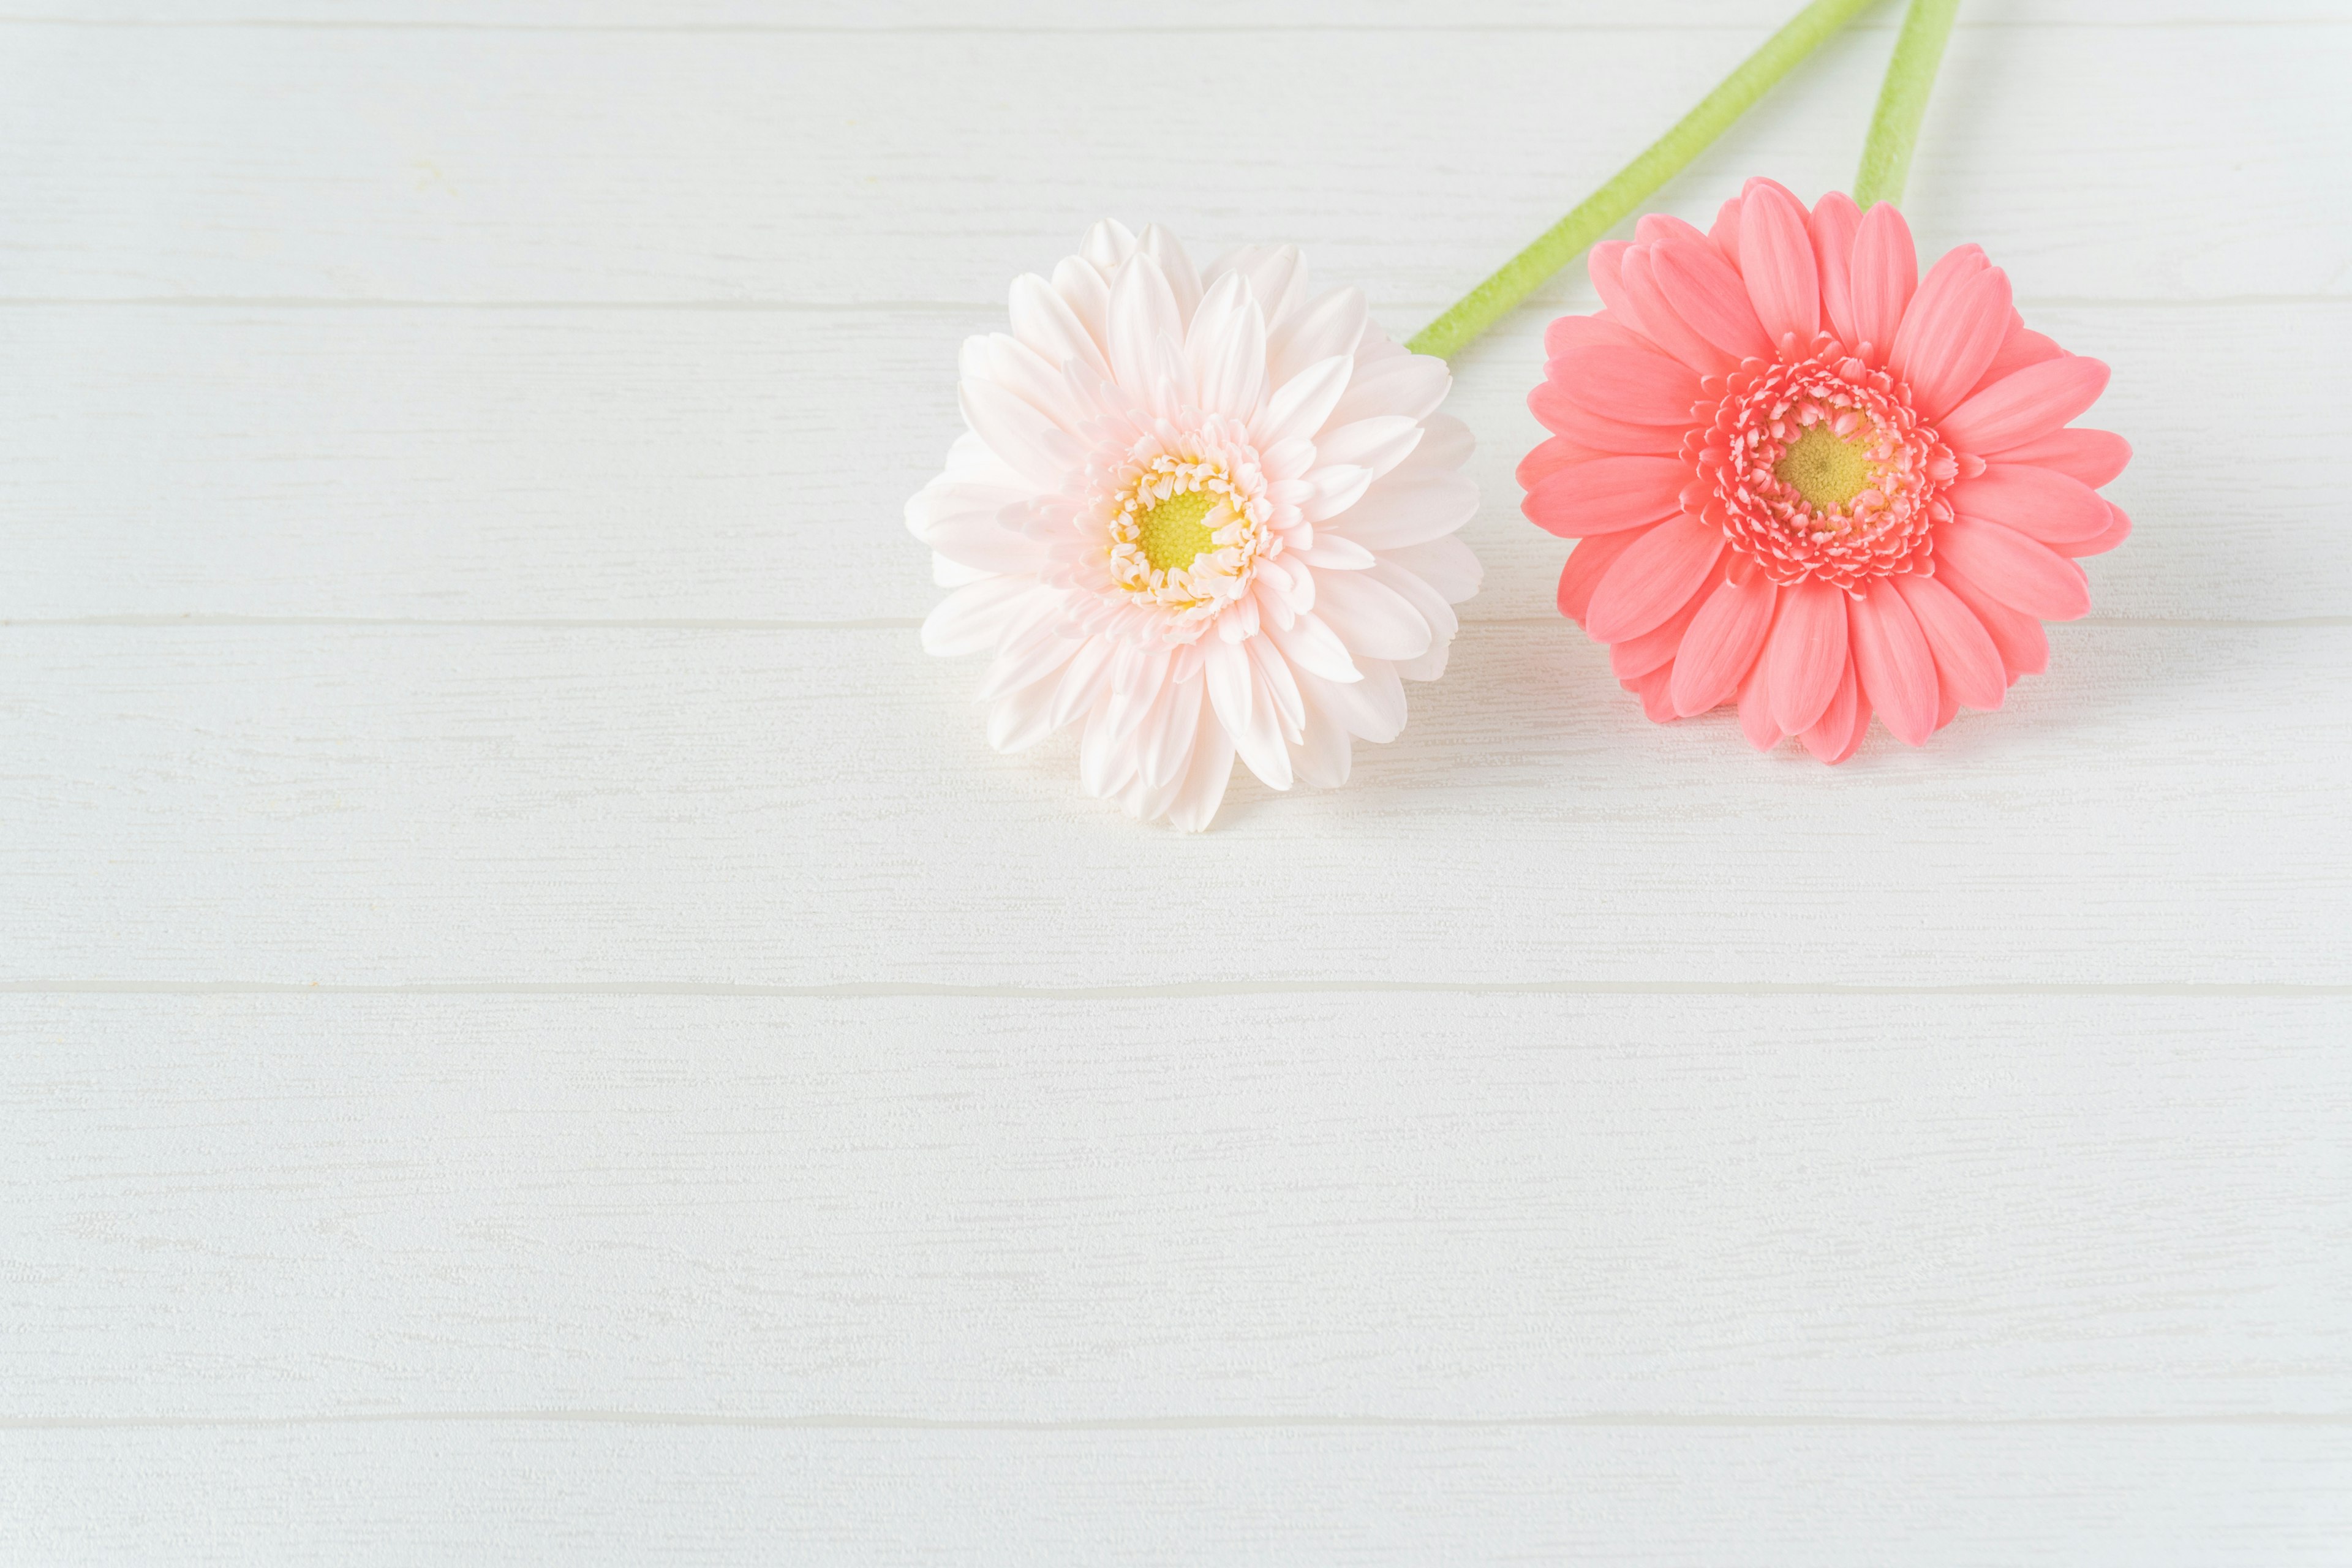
(1968, 665)
(1756, 710)
(1720, 647)
(1567, 332)
(1725, 233)
(1654, 579)
(2040, 503)
(1604, 265)
(1637, 656)
(1885, 276)
(1559, 412)
(1635, 385)
(1707, 294)
(1660, 322)
(2118, 529)
(2018, 571)
(1951, 332)
(1607, 494)
(1892, 660)
(1549, 457)
(1654, 228)
(2092, 457)
(1806, 652)
(1587, 564)
(1834, 222)
(2024, 406)
(1831, 737)
(2024, 645)
(1653, 690)
(2022, 347)
(1775, 259)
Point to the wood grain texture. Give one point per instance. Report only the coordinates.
(856, 169)
(2166, 1498)
(445, 803)
(1302, 1208)
(459, 464)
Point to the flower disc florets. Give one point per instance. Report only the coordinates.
(1820, 470)
(1184, 514)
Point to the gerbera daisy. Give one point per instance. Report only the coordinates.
(1808, 480)
(1197, 515)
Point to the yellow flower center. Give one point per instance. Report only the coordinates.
(1170, 534)
(1824, 467)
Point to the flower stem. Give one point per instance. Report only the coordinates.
(1606, 208)
(1903, 102)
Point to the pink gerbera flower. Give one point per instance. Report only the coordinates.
(1808, 480)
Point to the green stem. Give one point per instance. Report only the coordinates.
(1612, 203)
(1903, 102)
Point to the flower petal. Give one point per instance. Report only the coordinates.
(1661, 324)
(1561, 414)
(1370, 618)
(1832, 736)
(1044, 319)
(2024, 406)
(1430, 607)
(1835, 221)
(1301, 404)
(1142, 312)
(2040, 503)
(1410, 507)
(1607, 494)
(1028, 440)
(1635, 385)
(1951, 332)
(2018, 571)
(1885, 276)
(1707, 294)
(1333, 325)
(1233, 375)
(1722, 644)
(2024, 645)
(1586, 565)
(1372, 709)
(1411, 385)
(1968, 665)
(971, 619)
(1316, 648)
(2094, 458)
(1892, 660)
(1776, 262)
(1756, 708)
(1807, 653)
(1175, 266)
(1654, 579)
(1633, 657)
(1206, 778)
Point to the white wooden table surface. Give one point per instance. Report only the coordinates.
(533, 1028)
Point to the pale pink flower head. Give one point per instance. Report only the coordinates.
(1810, 481)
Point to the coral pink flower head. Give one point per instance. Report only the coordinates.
(1811, 482)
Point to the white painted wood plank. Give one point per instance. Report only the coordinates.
(1219, 18)
(2144, 162)
(297, 803)
(580, 463)
(1286, 1208)
(2163, 1498)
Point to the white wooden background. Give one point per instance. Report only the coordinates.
(533, 1028)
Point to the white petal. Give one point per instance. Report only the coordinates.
(1333, 325)
(1445, 443)
(1409, 384)
(1108, 245)
(1373, 708)
(1261, 742)
(1105, 762)
(1088, 293)
(1372, 620)
(1021, 369)
(1233, 379)
(1165, 742)
(1445, 564)
(1084, 679)
(1379, 444)
(1410, 506)
(1030, 442)
(1337, 488)
(1315, 648)
(1182, 281)
(1219, 307)
(1142, 312)
(1045, 320)
(1431, 606)
(1227, 669)
(1302, 405)
(1334, 553)
(1323, 757)
(1203, 790)
(970, 620)
(1276, 685)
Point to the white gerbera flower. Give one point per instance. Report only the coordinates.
(1200, 516)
